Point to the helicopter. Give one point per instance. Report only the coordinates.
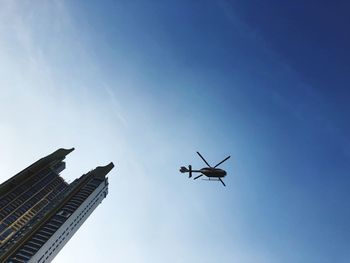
(210, 172)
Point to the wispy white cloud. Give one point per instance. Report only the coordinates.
(44, 106)
(116, 107)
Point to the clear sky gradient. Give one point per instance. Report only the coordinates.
(146, 84)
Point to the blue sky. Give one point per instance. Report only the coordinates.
(147, 84)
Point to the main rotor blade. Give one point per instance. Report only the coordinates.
(203, 159)
(197, 176)
(222, 181)
(222, 161)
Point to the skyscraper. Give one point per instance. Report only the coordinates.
(39, 211)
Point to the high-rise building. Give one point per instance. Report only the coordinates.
(40, 212)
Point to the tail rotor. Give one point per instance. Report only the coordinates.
(183, 169)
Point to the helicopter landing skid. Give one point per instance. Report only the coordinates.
(219, 179)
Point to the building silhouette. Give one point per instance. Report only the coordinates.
(40, 212)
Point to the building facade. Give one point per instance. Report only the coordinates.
(40, 212)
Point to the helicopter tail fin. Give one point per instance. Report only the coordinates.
(183, 169)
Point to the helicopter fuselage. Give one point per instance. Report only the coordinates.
(212, 172)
